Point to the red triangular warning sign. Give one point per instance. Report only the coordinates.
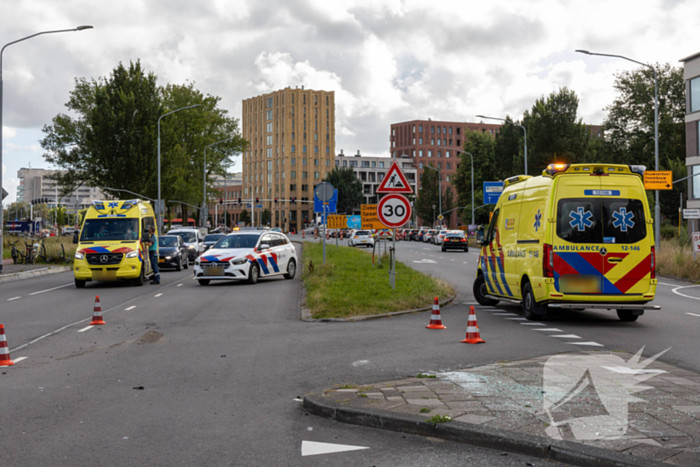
(394, 181)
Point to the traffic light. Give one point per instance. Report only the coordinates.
(257, 200)
(221, 201)
(239, 201)
(275, 200)
(294, 201)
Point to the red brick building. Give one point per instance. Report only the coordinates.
(436, 143)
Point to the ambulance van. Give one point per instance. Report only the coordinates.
(578, 236)
(110, 244)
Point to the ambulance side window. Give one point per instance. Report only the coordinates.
(493, 228)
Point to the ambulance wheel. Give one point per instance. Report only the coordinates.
(79, 284)
(480, 292)
(203, 281)
(291, 270)
(627, 315)
(253, 274)
(531, 309)
(142, 278)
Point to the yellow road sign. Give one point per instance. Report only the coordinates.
(658, 180)
(337, 222)
(370, 219)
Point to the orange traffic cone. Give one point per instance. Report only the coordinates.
(473, 336)
(97, 313)
(303, 234)
(4, 350)
(435, 319)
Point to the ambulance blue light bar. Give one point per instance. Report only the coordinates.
(552, 169)
(638, 169)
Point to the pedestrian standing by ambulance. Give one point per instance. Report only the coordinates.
(153, 254)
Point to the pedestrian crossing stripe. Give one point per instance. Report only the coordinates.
(394, 181)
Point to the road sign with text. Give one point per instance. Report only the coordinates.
(492, 191)
(658, 180)
(394, 181)
(370, 220)
(337, 222)
(691, 214)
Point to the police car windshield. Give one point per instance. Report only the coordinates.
(170, 241)
(187, 237)
(110, 229)
(247, 240)
(601, 220)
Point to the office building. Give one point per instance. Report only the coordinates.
(35, 184)
(292, 146)
(691, 73)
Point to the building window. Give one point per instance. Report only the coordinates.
(414, 153)
(420, 165)
(269, 102)
(303, 162)
(447, 166)
(337, 163)
(269, 127)
(315, 149)
(293, 161)
(328, 150)
(450, 130)
(414, 128)
(269, 114)
(305, 175)
(695, 94)
(294, 174)
(304, 149)
(430, 153)
(365, 163)
(316, 162)
(305, 188)
(269, 152)
(381, 163)
(316, 175)
(420, 129)
(695, 181)
(414, 141)
(432, 129)
(420, 153)
(458, 143)
(328, 162)
(447, 178)
(374, 163)
(439, 153)
(438, 130)
(457, 130)
(269, 140)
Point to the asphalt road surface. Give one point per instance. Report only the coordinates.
(185, 374)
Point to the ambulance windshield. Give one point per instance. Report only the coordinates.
(601, 220)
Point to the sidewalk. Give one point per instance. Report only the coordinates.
(13, 272)
(605, 406)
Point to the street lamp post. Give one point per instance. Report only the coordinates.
(79, 28)
(160, 200)
(472, 156)
(204, 184)
(512, 123)
(657, 207)
(433, 215)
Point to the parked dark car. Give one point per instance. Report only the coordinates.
(172, 252)
(413, 235)
(211, 239)
(455, 240)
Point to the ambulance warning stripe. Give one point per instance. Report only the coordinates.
(639, 272)
(500, 259)
(577, 263)
(492, 263)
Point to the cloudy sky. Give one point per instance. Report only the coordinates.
(387, 60)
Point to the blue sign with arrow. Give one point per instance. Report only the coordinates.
(492, 191)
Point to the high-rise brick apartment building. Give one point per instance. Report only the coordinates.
(292, 147)
(436, 143)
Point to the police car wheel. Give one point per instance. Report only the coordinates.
(627, 315)
(480, 292)
(291, 270)
(253, 274)
(531, 309)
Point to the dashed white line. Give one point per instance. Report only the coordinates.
(504, 314)
(85, 328)
(130, 308)
(49, 290)
(549, 329)
(693, 314)
(179, 285)
(13, 298)
(565, 336)
(158, 295)
(533, 324)
(593, 344)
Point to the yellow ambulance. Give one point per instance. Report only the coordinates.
(110, 243)
(578, 236)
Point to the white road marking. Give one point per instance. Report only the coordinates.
(470, 303)
(158, 295)
(549, 329)
(86, 328)
(504, 314)
(692, 314)
(49, 290)
(312, 448)
(464, 262)
(670, 285)
(130, 308)
(360, 363)
(676, 291)
(533, 324)
(593, 344)
(565, 336)
(13, 298)
(425, 261)
(517, 319)
(179, 285)
(16, 360)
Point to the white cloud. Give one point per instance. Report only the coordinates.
(8, 133)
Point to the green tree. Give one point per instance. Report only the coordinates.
(486, 168)
(266, 217)
(244, 216)
(509, 150)
(111, 141)
(428, 196)
(629, 126)
(349, 189)
(554, 132)
(448, 203)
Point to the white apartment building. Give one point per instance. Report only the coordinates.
(35, 184)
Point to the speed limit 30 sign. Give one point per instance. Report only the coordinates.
(394, 210)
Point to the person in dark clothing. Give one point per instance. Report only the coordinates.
(153, 254)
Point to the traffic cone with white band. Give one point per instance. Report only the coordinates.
(97, 313)
(315, 234)
(4, 350)
(473, 336)
(303, 234)
(435, 319)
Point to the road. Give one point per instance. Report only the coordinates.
(185, 374)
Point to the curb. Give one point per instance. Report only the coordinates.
(306, 313)
(18, 276)
(562, 451)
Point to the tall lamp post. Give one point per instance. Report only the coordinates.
(439, 188)
(205, 212)
(512, 123)
(79, 28)
(160, 200)
(657, 207)
(472, 156)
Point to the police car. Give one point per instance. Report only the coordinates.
(247, 255)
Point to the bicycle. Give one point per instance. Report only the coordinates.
(17, 256)
(40, 251)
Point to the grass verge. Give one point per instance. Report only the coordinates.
(677, 261)
(52, 245)
(349, 285)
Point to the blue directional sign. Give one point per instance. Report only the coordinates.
(330, 208)
(492, 191)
